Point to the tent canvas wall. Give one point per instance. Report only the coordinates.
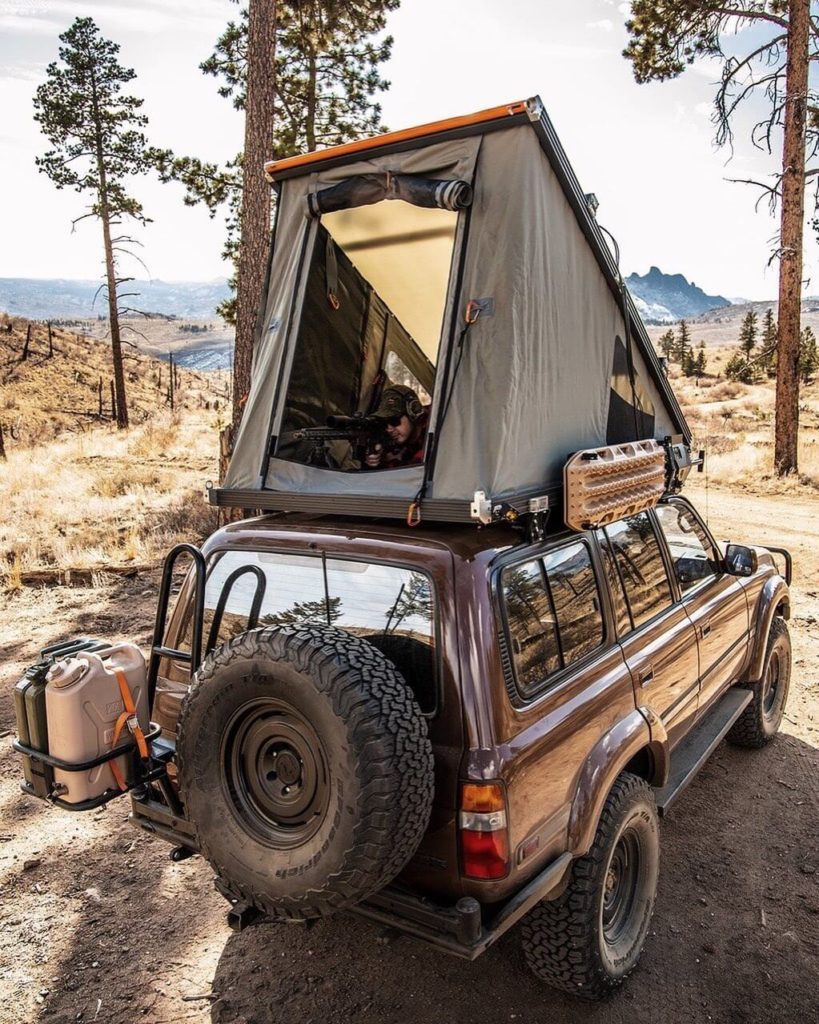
(555, 361)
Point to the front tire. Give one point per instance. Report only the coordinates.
(589, 940)
(761, 719)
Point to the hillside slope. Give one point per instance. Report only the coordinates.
(43, 395)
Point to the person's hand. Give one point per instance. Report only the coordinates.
(373, 457)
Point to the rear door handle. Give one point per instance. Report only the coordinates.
(646, 675)
(705, 629)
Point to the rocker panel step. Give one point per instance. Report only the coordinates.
(697, 747)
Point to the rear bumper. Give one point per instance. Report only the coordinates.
(466, 929)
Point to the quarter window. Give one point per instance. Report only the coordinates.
(532, 624)
(637, 553)
(553, 613)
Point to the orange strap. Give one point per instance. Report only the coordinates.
(129, 718)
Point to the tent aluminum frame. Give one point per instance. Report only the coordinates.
(458, 510)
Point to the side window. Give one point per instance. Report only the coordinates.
(692, 553)
(532, 624)
(553, 613)
(618, 596)
(576, 600)
(637, 553)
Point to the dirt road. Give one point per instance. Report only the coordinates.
(96, 923)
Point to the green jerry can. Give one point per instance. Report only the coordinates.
(30, 710)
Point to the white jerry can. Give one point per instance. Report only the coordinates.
(83, 704)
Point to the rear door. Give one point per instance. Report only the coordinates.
(656, 634)
(714, 600)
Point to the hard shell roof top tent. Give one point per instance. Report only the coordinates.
(487, 287)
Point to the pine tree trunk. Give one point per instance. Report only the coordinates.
(312, 101)
(255, 214)
(113, 320)
(110, 267)
(790, 258)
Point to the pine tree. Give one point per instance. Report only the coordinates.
(97, 141)
(808, 356)
(748, 335)
(324, 64)
(766, 356)
(701, 361)
(667, 343)
(737, 368)
(683, 345)
(668, 36)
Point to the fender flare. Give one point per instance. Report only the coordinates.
(607, 758)
(774, 594)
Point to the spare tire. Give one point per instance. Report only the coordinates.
(305, 768)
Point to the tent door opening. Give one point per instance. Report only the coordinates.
(365, 349)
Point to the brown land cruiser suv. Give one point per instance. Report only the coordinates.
(450, 730)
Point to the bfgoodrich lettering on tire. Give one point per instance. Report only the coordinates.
(305, 767)
(589, 940)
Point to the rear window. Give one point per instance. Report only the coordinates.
(390, 606)
(553, 614)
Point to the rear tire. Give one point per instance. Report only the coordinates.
(589, 940)
(761, 719)
(305, 768)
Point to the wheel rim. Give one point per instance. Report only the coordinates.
(275, 773)
(620, 887)
(773, 679)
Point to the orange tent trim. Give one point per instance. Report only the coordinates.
(273, 167)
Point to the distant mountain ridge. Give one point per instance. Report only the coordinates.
(47, 299)
(660, 298)
(664, 298)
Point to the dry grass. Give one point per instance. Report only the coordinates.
(734, 424)
(107, 497)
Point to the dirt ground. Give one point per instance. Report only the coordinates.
(97, 924)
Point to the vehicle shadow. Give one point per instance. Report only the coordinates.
(734, 936)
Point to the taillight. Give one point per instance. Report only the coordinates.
(483, 832)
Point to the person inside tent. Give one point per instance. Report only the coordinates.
(407, 422)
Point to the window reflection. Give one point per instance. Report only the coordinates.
(391, 607)
(553, 611)
(642, 569)
(692, 553)
(532, 627)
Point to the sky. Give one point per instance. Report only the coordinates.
(646, 151)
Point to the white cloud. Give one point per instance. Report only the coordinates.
(604, 24)
(22, 72)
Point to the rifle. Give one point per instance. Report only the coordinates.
(362, 433)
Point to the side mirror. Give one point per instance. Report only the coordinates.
(740, 560)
